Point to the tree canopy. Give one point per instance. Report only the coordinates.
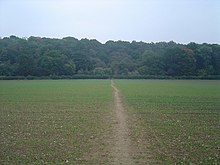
(36, 56)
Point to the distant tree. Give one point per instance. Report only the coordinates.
(25, 65)
(216, 59)
(179, 62)
(99, 71)
(204, 60)
(39, 56)
(121, 64)
(151, 64)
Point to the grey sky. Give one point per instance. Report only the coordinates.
(182, 21)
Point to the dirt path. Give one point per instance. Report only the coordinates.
(121, 151)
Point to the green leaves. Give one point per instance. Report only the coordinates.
(38, 56)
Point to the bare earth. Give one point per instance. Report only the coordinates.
(121, 151)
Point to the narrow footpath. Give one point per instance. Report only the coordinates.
(121, 151)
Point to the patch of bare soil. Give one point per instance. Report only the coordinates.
(121, 150)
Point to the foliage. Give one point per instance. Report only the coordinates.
(69, 56)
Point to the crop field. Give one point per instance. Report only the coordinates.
(53, 122)
(85, 122)
(173, 121)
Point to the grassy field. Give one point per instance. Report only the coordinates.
(173, 121)
(72, 121)
(54, 122)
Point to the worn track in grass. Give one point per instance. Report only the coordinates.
(121, 151)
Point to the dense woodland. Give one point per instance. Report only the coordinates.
(46, 57)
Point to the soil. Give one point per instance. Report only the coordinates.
(121, 150)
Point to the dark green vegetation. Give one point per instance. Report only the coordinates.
(54, 122)
(174, 121)
(71, 57)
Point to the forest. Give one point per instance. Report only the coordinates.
(70, 57)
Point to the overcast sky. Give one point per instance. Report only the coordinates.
(182, 21)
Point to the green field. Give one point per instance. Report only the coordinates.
(53, 122)
(71, 121)
(174, 121)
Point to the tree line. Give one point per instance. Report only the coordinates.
(36, 56)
